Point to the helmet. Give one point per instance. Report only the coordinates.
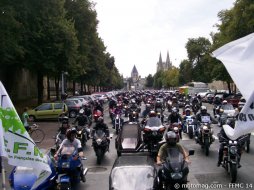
(69, 133)
(174, 110)
(65, 120)
(187, 110)
(171, 138)
(100, 120)
(231, 122)
(224, 102)
(203, 109)
(187, 106)
(152, 113)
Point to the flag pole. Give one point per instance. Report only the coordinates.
(3, 173)
(1, 159)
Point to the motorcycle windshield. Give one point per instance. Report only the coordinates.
(67, 150)
(175, 159)
(154, 122)
(227, 107)
(99, 134)
(133, 177)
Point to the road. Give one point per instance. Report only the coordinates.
(203, 170)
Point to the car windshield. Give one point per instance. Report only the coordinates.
(153, 121)
(133, 177)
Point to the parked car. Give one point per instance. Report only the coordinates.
(73, 107)
(133, 172)
(47, 111)
(209, 98)
(234, 99)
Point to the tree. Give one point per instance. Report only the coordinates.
(171, 78)
(185, 72)
(149, 81)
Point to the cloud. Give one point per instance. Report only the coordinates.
(136, 31)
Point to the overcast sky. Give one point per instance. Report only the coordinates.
(136, 31)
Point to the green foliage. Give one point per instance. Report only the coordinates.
(149, 81)
(171, 78)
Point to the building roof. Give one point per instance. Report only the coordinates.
(134, 70)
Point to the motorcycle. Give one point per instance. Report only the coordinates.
(23, 178)
(125, 110)
(190, 126)
(69, 168)
(160, 115)
(82, 134)
(111, 114)
(177, 128)
(133, 116)
(195, 108)
(153, 134)
(100, 144)
(118, 124)
(231, 157)
(174, 170)
(205, 137)
(247, 143)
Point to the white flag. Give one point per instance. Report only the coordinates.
(15, 143)
(238, 58)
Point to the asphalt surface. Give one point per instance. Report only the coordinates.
(204, 174)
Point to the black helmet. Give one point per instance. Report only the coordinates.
(171, 138)
(69, 132)
(65, 120)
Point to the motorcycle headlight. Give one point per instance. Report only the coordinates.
(98, 141)
(233, 149)
(79, 132)
(65, 165)
(177, 175)
(205, 127)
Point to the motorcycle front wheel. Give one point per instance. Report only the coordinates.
(233, 173)
(99, 155)
(206, 146)
(190, 132)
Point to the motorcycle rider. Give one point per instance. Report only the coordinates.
(199, 119)
(82, 120)
(25, 119)
(117, 111)
(187, 113)
(88, 113)
(64, 127)
(217, 103)
(98, 106)
(174, 117)
(171, 142)
(71, 141)
(103, 126)
(224, 138)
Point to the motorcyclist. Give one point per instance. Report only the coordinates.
(98, 106)
(118, 111)
(187, 113)
(223, 138)
(146, 111)
(64, 127)
(174, 117)
(71, 141)
(101, 125)
(171, 142)
(25, 119)
(82, 120)
(217, 103)
(88, 113)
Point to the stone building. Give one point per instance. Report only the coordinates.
(163, 66)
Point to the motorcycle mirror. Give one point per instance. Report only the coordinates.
(191, 152)
(52, 151)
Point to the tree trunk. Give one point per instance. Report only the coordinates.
(57, 87)
(48, 88)
(81, 88)
(73, 87)
(40, 87)
(229, 87)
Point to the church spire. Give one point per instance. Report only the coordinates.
(168, 65)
